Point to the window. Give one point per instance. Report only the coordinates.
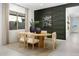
(21, 22)
(12, 22)
(16, 21)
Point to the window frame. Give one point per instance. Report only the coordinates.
(17, 14)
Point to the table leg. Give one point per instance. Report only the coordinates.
(41, 41)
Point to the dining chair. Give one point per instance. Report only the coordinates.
(31, 39)
(22, 39)
(54, 40)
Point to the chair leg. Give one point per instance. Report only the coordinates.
(32, 46)
(38, 44)
(27, 45)
(54, 47)
(24, 44)
(19, 43)
(44, 44)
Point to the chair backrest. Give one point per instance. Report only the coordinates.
(54, 40)
(54, 37)
(30, 36)
(44, 32)
(22, 36)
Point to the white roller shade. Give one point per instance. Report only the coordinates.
(16, 8)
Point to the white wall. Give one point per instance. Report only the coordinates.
(0, 24)
(13, 35)
(73, 11)
(30, 16)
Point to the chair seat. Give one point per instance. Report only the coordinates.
(22, 39)
(30, 40)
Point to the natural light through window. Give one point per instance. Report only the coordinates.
(20, 19)
(12, 18)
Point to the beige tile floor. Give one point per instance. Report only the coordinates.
(4, 51)
(29, 51)
(69, 47)
(15, 49)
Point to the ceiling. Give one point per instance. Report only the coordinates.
(36, 6)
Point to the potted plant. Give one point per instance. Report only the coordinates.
(33, 28)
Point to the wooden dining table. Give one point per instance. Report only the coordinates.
(40, 36)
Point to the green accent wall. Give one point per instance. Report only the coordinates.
(58, 20)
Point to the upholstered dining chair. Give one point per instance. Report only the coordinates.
(31, 39)
(22, 39)
(54, 40)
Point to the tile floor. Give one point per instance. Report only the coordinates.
(69, 47)
(4, 51)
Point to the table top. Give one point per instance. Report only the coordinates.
(35, 34)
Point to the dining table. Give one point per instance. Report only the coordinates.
(40, 36)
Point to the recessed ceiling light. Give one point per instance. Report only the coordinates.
(41, 4)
